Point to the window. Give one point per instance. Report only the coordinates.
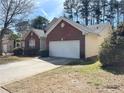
(62, 25)
(32, 43)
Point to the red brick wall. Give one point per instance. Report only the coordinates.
(37, 40)
(67, 33)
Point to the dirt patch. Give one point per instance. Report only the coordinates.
(70, 79)
(11, 59)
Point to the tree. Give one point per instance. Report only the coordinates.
(97, 10)
(39, 22)
(10, 12)
(85, 9)
(14, 37)
(77, 10)
(23, 26)
(110, 12)
(122, 8)
(117, 9)
(112, 51)
(104, 8)
(68, 8)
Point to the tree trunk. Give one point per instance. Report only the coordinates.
(123, 17)
(1, 37)
(86, 21)
(104, 14)
(1, 46)
(97, 19)
(118, 21)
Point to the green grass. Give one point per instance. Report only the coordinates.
(91, 68)
(81, 62)
(83, 69)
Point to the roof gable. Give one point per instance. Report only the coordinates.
(51, 23)
(81, 28)
(39, 33)
(93, 29)
(31, 33)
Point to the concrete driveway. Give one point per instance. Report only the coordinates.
(20, 70)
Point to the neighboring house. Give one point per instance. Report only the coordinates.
(18, 43)
(68, 39)
(34, 39)
(7, 43)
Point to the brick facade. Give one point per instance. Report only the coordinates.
(34, 36)
(65, 33)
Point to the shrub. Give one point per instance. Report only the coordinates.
(44, 53)
(112, 51)
(31, 52)
(18, 51)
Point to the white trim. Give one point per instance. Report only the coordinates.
(53, 26)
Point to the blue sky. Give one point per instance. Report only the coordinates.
(48, 8)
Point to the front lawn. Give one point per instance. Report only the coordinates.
(10, 59)
(89, 78)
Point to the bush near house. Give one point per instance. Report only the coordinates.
(112, 51)
(18, 51)
(31, 52)
(44, 53)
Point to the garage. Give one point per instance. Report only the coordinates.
(66, 39)
(66, 49)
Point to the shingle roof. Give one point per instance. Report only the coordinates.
(99, 27)
(39, 33)
(51, 23)
(84, 29)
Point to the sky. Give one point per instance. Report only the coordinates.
(48, 8)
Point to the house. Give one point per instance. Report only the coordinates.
(33, 40)
(7, 44)
(68, 39)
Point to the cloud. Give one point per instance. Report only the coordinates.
(49, 8)
(58, 11)
(40, 3)
(44, 12)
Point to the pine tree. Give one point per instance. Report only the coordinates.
(85, 10)
(122, 9)
(68, 9)
(97, 10)
(104, 8)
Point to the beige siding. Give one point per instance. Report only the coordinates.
(42, 43)
(91, 45)
(93, 42)
(10, 46)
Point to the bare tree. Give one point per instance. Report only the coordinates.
(10, 12)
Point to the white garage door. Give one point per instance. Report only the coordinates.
(67, 49)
